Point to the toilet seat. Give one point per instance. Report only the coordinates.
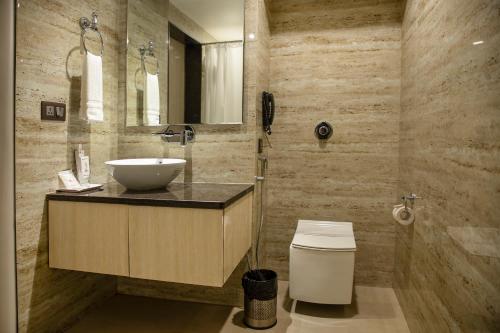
(324, 235)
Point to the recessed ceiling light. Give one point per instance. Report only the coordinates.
(251, 36)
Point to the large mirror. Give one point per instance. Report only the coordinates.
(185, 62)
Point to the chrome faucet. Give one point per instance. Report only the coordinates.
(177, 133)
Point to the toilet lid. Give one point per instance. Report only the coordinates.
(324, 242)
(324, 228)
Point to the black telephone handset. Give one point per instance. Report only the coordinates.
(267, 111)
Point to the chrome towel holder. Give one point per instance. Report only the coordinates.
(90, 25)
(149, 52)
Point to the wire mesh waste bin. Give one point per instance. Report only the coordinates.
(261, 289)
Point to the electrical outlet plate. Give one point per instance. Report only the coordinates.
(53, 111)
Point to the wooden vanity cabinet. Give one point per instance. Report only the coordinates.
(185, 245)
(89, 237)
(176, 244)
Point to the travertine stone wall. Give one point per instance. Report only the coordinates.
(335, 61)
(49, 68)
(448, 262)
(263, 61)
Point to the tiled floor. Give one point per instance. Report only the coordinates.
(374, 310)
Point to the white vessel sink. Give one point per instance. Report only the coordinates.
(145, 173)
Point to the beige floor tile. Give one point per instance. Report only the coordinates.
(373, 310)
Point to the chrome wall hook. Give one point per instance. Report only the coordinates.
(149, 51)
(86, 24)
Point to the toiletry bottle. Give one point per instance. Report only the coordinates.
(82, 165)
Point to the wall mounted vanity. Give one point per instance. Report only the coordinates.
(191, 233)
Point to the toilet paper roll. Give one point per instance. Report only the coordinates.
(396, 207)
(403, 216)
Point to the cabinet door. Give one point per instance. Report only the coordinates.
(88, 237)
(237, 233)
(182, 245)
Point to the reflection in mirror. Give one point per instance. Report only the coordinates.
(185, 62)
(206, 61)
(184, 78)
(222, 84)
(147, 62)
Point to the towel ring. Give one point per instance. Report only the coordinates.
(90, 25)
(149, 52)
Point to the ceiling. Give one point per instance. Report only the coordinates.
(223, 19)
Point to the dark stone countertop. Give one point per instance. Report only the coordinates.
(187, 195)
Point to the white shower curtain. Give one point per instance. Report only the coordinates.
(222, 83)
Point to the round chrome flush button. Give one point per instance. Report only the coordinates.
(323, 130)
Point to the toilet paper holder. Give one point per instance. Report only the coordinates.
(403, 214)
(411, 198)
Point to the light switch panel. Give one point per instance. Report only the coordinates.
(53, 111)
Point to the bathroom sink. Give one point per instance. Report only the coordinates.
(145, 173)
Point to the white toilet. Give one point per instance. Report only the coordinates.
(322, 262)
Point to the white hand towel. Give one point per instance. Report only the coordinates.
(151, 112)
(91, 102)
